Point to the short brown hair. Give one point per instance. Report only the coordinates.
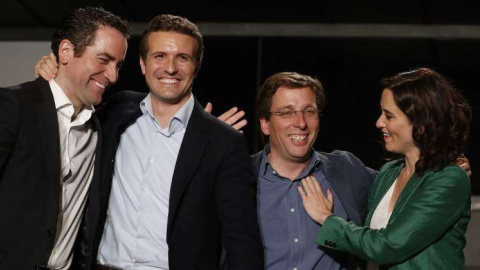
(172, 23)
(81, 26)
(290, 80)
(440, 115)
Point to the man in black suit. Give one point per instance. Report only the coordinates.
(179, 180)
(182, 183)
(49, 148)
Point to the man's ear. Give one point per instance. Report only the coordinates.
(66, 51)
(142, 65)
(264, 126)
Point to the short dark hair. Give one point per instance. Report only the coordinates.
(440, 115)
(172, 23)
(290, 80)
(81, 25)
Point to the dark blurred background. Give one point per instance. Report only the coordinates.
(348, 45)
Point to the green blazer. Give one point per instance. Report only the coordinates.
(426, 229)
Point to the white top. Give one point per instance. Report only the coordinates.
(380, 217)
(135, 235)
(78, 141)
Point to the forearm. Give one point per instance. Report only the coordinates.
(418, 221)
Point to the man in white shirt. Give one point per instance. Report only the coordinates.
(181, 182)
(49, 155)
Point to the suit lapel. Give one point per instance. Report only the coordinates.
(189, 156)
(94, 189)
(343, 189)
(47, 124)
(390, 177)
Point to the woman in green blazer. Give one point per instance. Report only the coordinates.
(419, 205)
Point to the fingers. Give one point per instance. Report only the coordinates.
(47, 67)
(314, 187)
(235, 117)
(466, 167)
(238, 126)
(329, 195)
(53, 58)
(316, 184)
(464, 163)
(208, 108)
(308, 186)
(302, 193)
(231, 116)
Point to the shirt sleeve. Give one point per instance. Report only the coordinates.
(420, 220)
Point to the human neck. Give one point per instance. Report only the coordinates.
(288, 168)
(164, 111)
(67, 89)
(411, 159)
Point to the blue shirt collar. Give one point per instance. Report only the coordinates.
(178, 121)
(313, 166)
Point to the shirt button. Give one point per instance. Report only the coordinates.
(145, 188)
(296, 240)
(274, 172)
(292, 210)
(151, 160)
(295, 268)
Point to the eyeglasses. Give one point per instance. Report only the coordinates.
(289, 114)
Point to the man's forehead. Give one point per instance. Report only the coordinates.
(166, 37)
(285, 94)
(109, 42)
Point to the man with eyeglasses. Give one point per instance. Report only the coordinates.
(288, 107)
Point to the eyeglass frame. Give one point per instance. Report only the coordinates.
(293, 113)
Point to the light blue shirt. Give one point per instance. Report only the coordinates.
(135, 235)
(288, 232)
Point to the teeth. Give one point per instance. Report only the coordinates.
(164, 80)
(297, 138)
(386, 134)
(99, 84)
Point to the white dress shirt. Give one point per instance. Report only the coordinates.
(136, 227)
(380, 218)
(77, 154)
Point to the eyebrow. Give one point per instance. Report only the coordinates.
(387, 111)
(110, 58)
(107, 55)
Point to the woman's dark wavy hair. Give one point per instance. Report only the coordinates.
(440, 116)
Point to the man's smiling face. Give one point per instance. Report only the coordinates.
(291, 139)
(170, 66)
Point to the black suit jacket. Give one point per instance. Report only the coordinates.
(30, 180)
(212, 197)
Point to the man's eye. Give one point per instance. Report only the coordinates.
(183, 58)
(103, 60)
(286, 113)
(310, 112)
